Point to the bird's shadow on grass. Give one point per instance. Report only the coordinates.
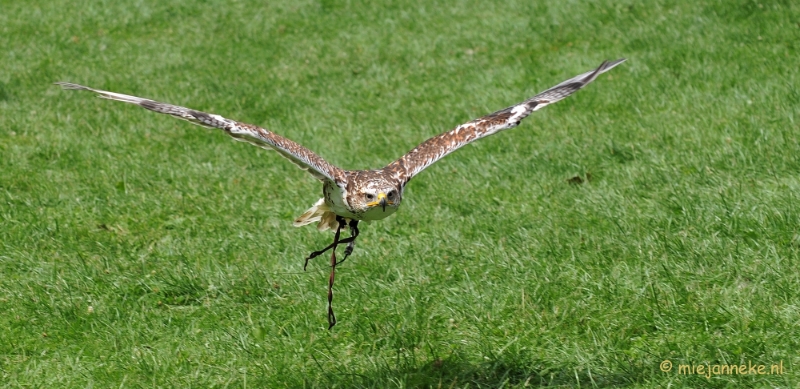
(456, 373)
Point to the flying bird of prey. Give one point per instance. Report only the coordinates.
(350, 196)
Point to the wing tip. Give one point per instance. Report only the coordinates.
(71, 86)
(608, 65)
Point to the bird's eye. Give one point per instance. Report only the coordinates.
(391, 195)
(370, 197)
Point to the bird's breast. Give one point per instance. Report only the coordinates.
(377, 213)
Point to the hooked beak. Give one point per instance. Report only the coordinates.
(382, 201)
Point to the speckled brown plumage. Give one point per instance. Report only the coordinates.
(350, 196)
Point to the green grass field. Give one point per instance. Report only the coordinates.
(137, 250)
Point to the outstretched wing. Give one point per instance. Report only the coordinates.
(437, 147)
(299, 155)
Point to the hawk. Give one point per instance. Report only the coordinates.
(350, 196)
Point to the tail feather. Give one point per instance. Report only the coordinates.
(321, 213)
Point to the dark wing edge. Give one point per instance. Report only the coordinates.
(299, 155)
(435, 148)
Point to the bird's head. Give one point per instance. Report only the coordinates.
(378, 199)
(381, 197)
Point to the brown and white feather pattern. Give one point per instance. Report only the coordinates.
(344, 191)
(441, 145)
(352, 196)
(299, 155)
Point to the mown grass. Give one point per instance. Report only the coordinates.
(497, 272)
